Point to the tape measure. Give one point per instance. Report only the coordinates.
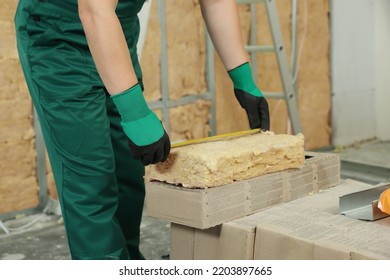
(216, 137)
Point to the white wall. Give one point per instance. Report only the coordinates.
(382, 52)
(360, 61)
(353, 70)
(143, 15)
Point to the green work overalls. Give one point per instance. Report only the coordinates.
(100, 186)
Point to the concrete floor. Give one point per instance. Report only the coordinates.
(45, 238)
(367, 162)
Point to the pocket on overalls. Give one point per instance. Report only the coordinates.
(40, 23)
(60, 58)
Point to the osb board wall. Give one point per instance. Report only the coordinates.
(18, 184)
(186, 72)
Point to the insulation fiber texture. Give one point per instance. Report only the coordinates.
(216, 163)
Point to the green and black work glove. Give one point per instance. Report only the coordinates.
(146, 136)
(250, 97)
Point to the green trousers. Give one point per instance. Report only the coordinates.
(100, 186)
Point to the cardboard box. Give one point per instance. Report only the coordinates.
(328, 168)
(206, 208)
(303, 229)
(227, 241)
(311, 228)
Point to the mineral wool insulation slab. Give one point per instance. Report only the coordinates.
(207, 207)
(217, 163)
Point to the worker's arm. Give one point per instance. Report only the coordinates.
(147, 138)
(107, 44)
(223, 25)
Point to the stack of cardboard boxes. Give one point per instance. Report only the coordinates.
(293, 214)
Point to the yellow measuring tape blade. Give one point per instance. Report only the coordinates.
(215, 138)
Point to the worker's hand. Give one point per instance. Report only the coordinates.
(156, 151)
(250, 97)
(256, 108)
(146, 136)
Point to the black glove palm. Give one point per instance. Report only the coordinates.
(152, 153)
(256, 108)
(250, 97)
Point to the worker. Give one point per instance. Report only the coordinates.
(80, 62)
